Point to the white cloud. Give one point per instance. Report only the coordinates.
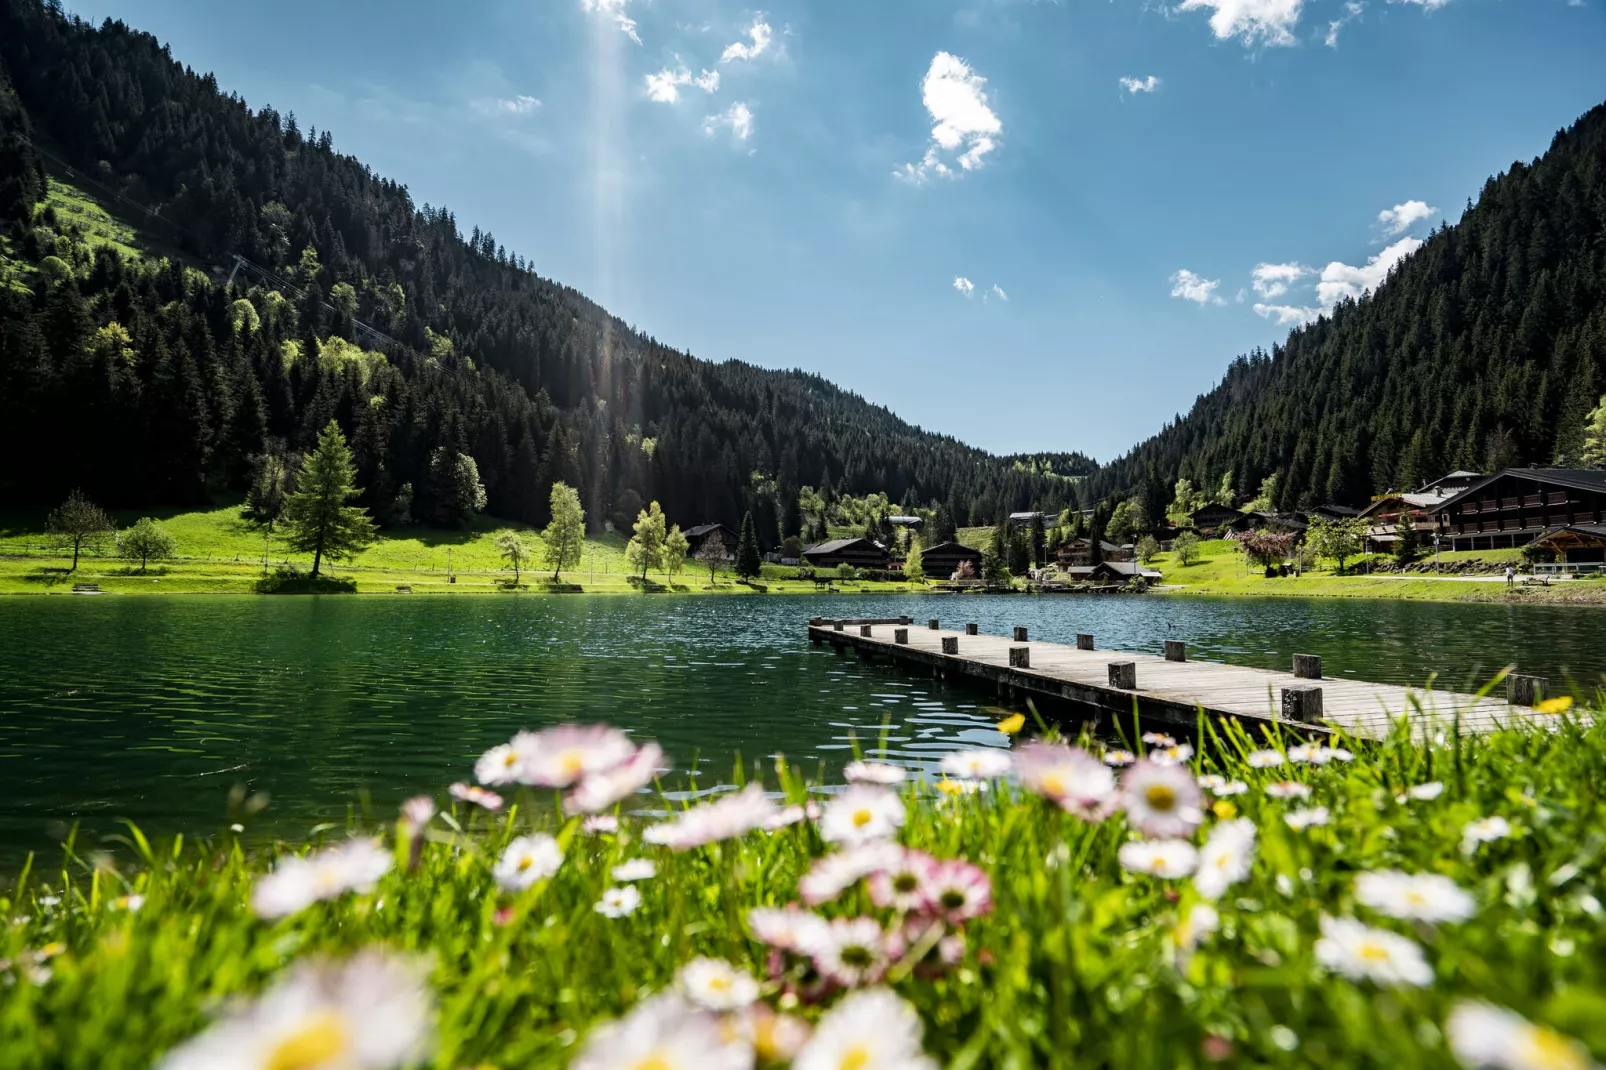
(738, 117)
(1287, 315)
(998, 292)
(1269, 22)
(1352, 11)
(1140, 85)
(618, 11)
(964, 286)
(961, 118)
(1402, 217)
(1196, 288)
(761, 35)
(516, 105)
(1340, 280)
(664, 86)
(1273, 280)
(1426, 5)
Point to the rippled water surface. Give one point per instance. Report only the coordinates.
(154, 708)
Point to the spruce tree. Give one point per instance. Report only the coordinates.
(749, 561)
(316, 516)
(1595, 436)
(1409, 543)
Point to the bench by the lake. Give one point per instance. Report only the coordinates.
(1171, 689)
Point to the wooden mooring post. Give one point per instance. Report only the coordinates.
(1525, 690)
(1307, 667)
(1020, 657)
(950, 644)
(1020, 634)
(1124, 675)
(1302, 703)
(971, 628)
(1176, 650)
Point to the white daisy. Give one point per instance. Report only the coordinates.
(526, 860)
(1161, 801)
(981, 763)
(558, 757)
(1225, 858)
(1362, 953)
(1421, 792)
(1485, 1036)
(664, 1033)
(1069, 777)
(1287, 789)
(1158, 739)
(297, 882)
(473, 793)
(902, 885)
(504, 763)
(727, 818)
(776, 1038)
(1305, 752)
(869, 1030)
(601, 824)
(884, 773)
(833, 874)
(956, 891)
(785, 817)
(600, 789)
(1176, 754)
(860, 814)
(618, 902)
(1265, 759)
(787, 929)
(637, 869)
(1485, 831)
(1201, 920)
(1414, 896)
(716, 985)
(370, 1013)
(1170, 859)
(851, 951)
(1299, 820)
(1119, 758)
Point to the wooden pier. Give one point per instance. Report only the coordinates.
(1171, 689)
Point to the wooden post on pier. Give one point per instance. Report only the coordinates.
(1302, 703)
(1307, 666)
(1525, 690)
(971, 629)
(1020, 657)
(1020, 634)
(933, 624)
(950, 644)
(1176, 650)
(1084, 641)
(1124, 675)
(836, 624)
(864, 630)
(900, 636)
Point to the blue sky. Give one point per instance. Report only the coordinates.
(1032, 225)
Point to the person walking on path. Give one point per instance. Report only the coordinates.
(1511, 576)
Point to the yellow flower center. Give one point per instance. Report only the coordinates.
(855, 1058)
(719, 984)
(525, 863)
(1053, 784)
(1373, 952)
(1160, 796)
(862, 817)
(1549, 1050)
(572, 762)
(509, 760)
(319, 1042)
(654, 1062)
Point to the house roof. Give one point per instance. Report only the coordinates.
(1587, 531)
(1084, 541)
(1417, 500)
(1215, 508)
(951, 547)
(1281, 520)
(1124, 568)
(909, 520)
(1027, 515)
(837, 545)
(704, 529)
(1460, 478)
(1574, 478)
(1336, 510)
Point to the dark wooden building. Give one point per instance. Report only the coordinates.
(695, 537)
(1109, 572)
(1516, 506)
(1213, 516)
(1579, 548)
(943, 560)
(860, 553)
(1074, 553)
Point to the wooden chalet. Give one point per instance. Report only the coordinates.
(1579, 548)
(695, 537)
(1331, 512)
(859, 552)
(1274, 521)
(1213, 517)
(943, 560)
(1075, 553)
(1518, 505)
(1388, 512)
(1110, 572)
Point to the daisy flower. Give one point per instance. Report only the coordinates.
(716, 985)
(1069, 777)
(1485, 831)
(727, 818)
(1225, 858)
(860, 814)
(1264, 759)
(884, 773)
(297, 882)
(417, 812)
(637, 869)
(1119, 758)
(869, 1030)
(1421, 792)
(1362, 953)
(1485, 1036)
(618, 902)
(371, 1012)
(504, 763)
(850, 951)
(1287, 789)
(1414, 896)
(473, 793)
(1299, 820)
(1202, 919)
(785, 817)
(601, 789)
(665, 1033)
(1158, 739)
(1161, 801)
(956, 890)
(902, 885)
(526, 860)
(1170, 859)
(558, 757)
(1176, 754)
(830, 876)
(1305, 752)
(776, 1038)
(601, 824)
(981, 763)
(787, 928)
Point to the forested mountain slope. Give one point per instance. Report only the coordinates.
(147, 382)
(1486, 347)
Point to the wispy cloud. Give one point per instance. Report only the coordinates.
(1426, 5)
(664, 86)
(617, 11)
(1254, 22)
(1402, 217)
(1287, 315)
(956, 98)
(510, 106)
(998, 292)
(1352, 11)
(1273, 280)
(759, 37)
(1340, 280)
(739, 117)
(964, 286)
(1196, 288)
(1140, 85)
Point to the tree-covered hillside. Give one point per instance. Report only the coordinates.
(146, 380)
(1487, 347)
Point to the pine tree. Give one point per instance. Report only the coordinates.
(1595, 436)
(749, 561)
(1408, 545)
(316, 516)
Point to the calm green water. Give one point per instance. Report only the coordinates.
(154, 708)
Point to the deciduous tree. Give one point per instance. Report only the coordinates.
(675, 546)
(79, 525)
(711, 552)
(646, 548)
(565, 535)
(145, 542)
(514, 550)
(1185, 547)
(913, 566)
(1337, 539)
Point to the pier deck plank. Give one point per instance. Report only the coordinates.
(1175, 690)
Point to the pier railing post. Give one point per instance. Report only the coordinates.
(836, 624)
(933, 624)
(1307, 666)
(1020, 634)
(1525, 690)
(1084, 641)
(900, 636)
(1302, 703)
(971, 629)
(950, 644)
(1124, 675)
(864, 630)
(1176, 650)
(1020, 657)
